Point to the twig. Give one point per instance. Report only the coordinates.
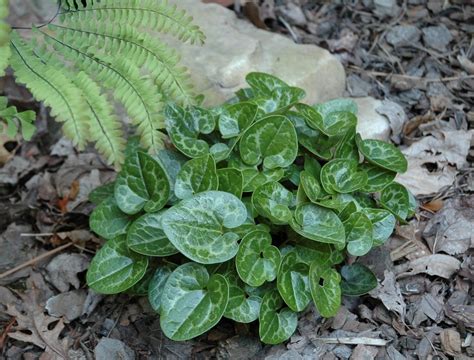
(352, 340)
(379, 73)
(290, 29)
(35, 260)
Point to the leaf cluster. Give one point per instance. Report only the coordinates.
(251, 214)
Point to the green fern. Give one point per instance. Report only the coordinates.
(4, 37)
(106, 53)
(13, 120)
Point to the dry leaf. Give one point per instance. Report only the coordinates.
(434, 160)
(396, 117)
(390, 294)
(43, 332)
(434, 205)
(451, 230)
(63, 270)
(450, 341)
(438, 265)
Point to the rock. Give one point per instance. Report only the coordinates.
(108, 349)
(386, 8)
(69, 304)
(371, 124)
(437, 37)
(238, 348)
(403, 35)
(235, 47)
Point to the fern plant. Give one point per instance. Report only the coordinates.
(96, 55)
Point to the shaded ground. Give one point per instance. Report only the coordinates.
(418, 54)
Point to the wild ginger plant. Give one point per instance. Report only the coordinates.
(251, 213)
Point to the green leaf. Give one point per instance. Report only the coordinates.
(359, 231)
(348, 210)
(142, 184)
(342, 176)
(325, 255)
(325, 289)
(336, 202)
(264, 84)
(398, 200)
(336, 123)
(382, 154)
(196, 176)
(377, 178)
(141, 287)
(336, 105)
(102, 193)
(310, 185)
(318, 224)
(383, 223)
(347, 148)
(357, 280)
(172, 162)
(273, 201)
(115, 268)
(231, 180)
(272, 140)
(236, 118)
(192, 302)
(277, 323)
(184, 128)
(257, 260)
(293, 282)
(220, 151)
(108, 221)
(253, 178)
(201, 227)
(312, 140)
(146, 236)
(157, 286)
(241, 308)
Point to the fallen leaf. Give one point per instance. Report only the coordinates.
(69, 305)
(434, 205)
(390, 294)
(434, 161)
(450, 341)
(63, 270)
(451, 230)
(437, 265)
(396, 117)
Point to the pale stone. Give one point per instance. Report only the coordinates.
(371, 124)
(235, 47)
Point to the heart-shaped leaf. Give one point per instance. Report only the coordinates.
(383, 223)
(108, 221)
(336, 105)
(318, 224)
(192, 302)
(196, 176)
(273, 201)
(141, 287)
(200, 227)
(312, 140)
(357, 280)
(146, 236)
(337, 201)
(142, 184)
(257, 260)
(348, 210)
(272, 140)
(310, 186)
(325, 289)
(231, 180)
(254, 178)
(342, 176)
(293, 282)
(277, 323)
(264, 84)
(102, 193)
(347, 148)
(115, 268)
(325, 255)
(335, 123)
(382, 154)
(220, 151)
(236, 118)
(359, 231)
(184, 128)
(172, 162)
(241, 308)
(157, 286)
(398, 200)
(377, 178)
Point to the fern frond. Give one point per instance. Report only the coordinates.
(51, 86)
(136, 93)
(157, 58)
(15, 120)
(157, 15)
(5, 51)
